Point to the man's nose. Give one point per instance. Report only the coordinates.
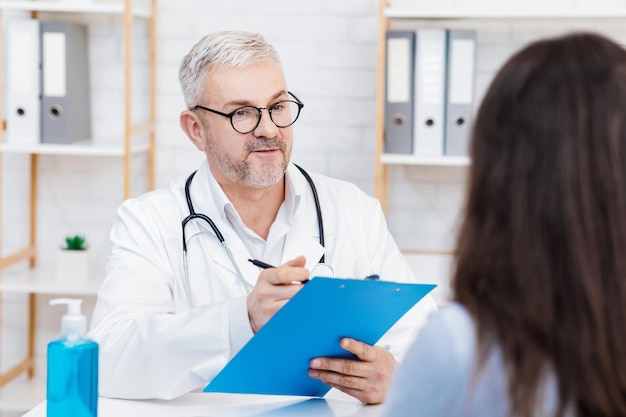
(266, 127)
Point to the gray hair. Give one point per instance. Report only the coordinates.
(227, 49)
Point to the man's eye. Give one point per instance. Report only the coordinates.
(278, 107)
(244, 112)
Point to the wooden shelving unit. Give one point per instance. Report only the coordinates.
(416, 17)
(36, 281)
(389, 159)
(76, 149)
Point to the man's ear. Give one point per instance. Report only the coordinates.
(193, 128)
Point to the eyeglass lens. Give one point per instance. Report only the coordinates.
(283, 114)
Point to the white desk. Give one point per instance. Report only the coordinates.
(231, 405)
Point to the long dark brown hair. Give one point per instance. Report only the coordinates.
(541, 253)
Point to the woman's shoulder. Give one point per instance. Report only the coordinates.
(454, 319)
(450, 333)
(434, 376)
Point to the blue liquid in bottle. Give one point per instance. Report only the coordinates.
(72, 380)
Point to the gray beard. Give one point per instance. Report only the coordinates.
(241, 171)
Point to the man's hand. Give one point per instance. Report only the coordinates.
(367, 380)
(273, 289)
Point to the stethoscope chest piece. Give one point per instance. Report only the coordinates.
(322, 270)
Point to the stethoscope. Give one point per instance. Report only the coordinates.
(320, 269)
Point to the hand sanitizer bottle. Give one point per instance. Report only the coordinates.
(72, 382)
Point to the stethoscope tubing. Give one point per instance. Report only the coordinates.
(193, 215)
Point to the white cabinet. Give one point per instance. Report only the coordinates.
(135, 138)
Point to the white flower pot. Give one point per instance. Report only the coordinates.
(73, 266)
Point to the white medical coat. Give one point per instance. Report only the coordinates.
(152, 345)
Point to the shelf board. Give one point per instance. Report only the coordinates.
(67, 6)
(43, 281)
(24, 394)
(397, 159)
(78, 149)
(495, 13)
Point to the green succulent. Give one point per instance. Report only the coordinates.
(75, 242)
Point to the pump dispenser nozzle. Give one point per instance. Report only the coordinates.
(73, 324)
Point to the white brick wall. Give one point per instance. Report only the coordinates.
(329, 52)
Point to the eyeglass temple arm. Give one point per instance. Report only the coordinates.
(294, 96)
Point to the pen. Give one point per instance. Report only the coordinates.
(261, 264)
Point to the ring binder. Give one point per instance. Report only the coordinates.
(399, 92)
(430, 69)
(23, 82)
(66, 115)
(460, 90)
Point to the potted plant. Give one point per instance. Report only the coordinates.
(73, 261)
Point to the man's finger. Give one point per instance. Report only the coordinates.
(362, 350)
(287, 273)
(341, 366)
(363, 389)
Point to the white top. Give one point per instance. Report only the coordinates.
(435, 378)
(153, 345)
(231, 405)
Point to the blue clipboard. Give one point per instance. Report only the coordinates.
(276, 360)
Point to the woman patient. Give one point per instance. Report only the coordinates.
(538, 322)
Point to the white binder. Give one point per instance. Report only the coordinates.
(23, 82)
(430, 72)
(459, 90)
(399, 70)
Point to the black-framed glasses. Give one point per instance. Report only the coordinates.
(247, 118)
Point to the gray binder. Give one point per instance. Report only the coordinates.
(460, 90)
(399, 68)
(66, 113)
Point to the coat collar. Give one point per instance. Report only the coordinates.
(302, 238)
